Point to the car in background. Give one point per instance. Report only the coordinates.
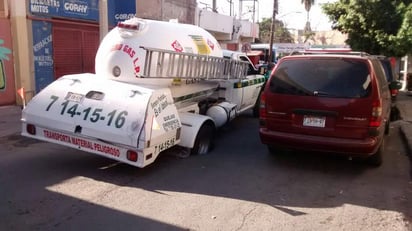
(332, 103)
(394, 84)
(409, 83)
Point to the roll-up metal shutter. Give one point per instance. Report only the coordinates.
(74, 48)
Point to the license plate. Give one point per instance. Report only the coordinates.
(314, 121)
(78, 98)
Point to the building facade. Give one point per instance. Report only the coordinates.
(50, 39)
(164, 10)
(7, 76)
(232, 33)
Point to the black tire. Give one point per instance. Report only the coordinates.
(256, 108)
(204, 139)
(395, 114)
(387, 127)
(272, 150)
(376, 159)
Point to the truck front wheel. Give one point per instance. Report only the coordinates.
(204, 139)
(256, 107)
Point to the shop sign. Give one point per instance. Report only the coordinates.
(81, 9)
(84, 9)
(120, 10)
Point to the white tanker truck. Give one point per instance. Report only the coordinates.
(157, 85)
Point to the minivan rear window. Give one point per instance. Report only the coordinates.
(328, 77)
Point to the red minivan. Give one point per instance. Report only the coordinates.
(333, 103)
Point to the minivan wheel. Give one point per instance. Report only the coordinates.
(272, 150)
(376, 159)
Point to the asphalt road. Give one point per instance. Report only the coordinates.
(239, 186)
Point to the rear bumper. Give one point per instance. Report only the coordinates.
(109, 150)
(354, 147)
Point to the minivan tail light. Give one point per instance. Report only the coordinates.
(376, 117)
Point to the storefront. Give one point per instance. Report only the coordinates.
(66, 35)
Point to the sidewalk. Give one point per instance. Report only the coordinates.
(10, 116)
(10, 120)
(404, 105)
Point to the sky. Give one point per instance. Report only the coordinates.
(291, 12)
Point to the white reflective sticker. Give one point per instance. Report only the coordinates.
(78, 98)
(367, 82)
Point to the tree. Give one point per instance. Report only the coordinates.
(374, 26)
(282, 34)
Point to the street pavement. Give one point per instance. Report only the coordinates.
(10, 120)
(10, 123)
(404, 105)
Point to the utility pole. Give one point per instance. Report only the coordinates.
(231, 7)
(254, 12)
(103, 19)
(241, 8)
(161, 10)
(272, 32)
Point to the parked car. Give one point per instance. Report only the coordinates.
(409, 83)
(333, 103)
(394, 84)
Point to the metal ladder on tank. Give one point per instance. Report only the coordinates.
(160, 63)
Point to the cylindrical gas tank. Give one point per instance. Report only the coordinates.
(222, 113)
(121, 55)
